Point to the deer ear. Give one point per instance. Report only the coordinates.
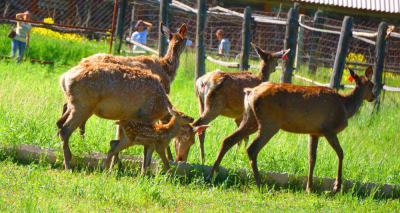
(165, 31)
(353, 75)
(368, 72)
(200, 129)
(172, 111)
(183, 31)
(259, 51)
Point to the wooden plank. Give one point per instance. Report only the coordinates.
(223, 63)
(341, 53)
(200, 68)
(290, 43)
(246, 39)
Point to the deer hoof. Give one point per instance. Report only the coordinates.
(67, 166)
(336, 188)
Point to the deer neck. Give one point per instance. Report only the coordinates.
(170, 63)
(173, 128)
(353, 101)
(264, 72)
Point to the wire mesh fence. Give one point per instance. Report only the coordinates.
(80, 22)
(62, 31)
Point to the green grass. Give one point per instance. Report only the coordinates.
(38, 188)
(31, 102)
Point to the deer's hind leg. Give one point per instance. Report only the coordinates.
(81, 127)
(266, 131)
(247, 127)
(76, 116)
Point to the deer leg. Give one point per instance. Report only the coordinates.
(334, 142)
(81, 127)
(146, 159)
(246, 139)
(75, 118)
(312, 157)
(266, 132)
(116, 147)
(243, 131)
(165, 120)
(161, 153)
(207, 116)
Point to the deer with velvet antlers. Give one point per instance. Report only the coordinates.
(221, 93)
(313, 110)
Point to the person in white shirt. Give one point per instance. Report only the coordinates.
(224, 45)
(140, 35)
(21, 40)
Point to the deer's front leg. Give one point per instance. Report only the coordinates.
(312, 157)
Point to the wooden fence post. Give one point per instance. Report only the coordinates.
(299, 48)
(200, 50)
(379, 63)
(119, 32)
(341, 53)
(290, 42)
(132, 25)
(246, 39)
(162, 40)
(315, 35)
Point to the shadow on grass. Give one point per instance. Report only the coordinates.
(232, 180)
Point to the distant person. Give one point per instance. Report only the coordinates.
(21, 39)
(224, 45)
(140, 35)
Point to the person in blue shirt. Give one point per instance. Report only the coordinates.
(224, 45)
(140, 35)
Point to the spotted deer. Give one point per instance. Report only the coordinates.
(221, 93)
(111, 91)
(154, 136)
(165, 67)
(314, 110)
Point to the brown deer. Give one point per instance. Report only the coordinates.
(314, 110)
(164, 67)
(110, 91)
(221, 93)
(153, 136)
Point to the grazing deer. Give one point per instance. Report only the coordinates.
(164, 67)
(314, 110)
(153, 136)
(110, 91)
(221, 93)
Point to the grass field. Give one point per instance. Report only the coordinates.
(31, 102)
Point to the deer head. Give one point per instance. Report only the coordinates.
(185, 140)
(365, 83)
(269, 61)
(181, 118)
(177, 41)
